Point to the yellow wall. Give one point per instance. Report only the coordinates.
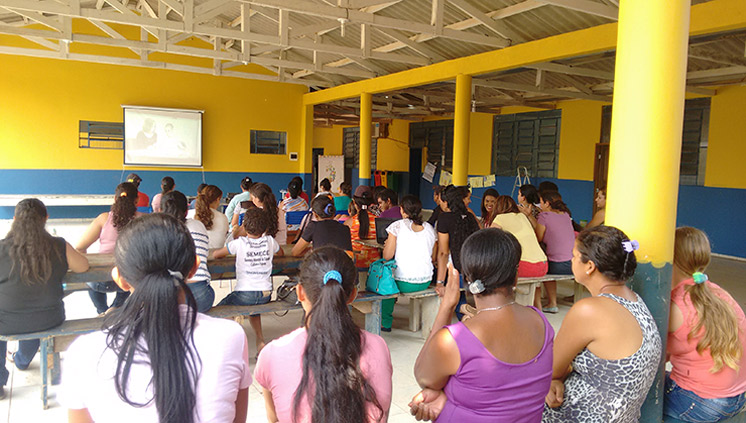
(43, 100)
(480, 143)
(330, 139)
(393, 152)
(580, 131)
(726, 148)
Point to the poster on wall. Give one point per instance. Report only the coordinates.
(332, 168)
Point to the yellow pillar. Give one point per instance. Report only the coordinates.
(305, 165)
(461, 116)
(366, 122)
(646, 126)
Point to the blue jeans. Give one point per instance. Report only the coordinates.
(689, 407)
(246, 298)
(560, 267)
(203, 294)
(461, 298)
(26, 352)
(98, 291)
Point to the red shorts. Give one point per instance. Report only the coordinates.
(532, 270)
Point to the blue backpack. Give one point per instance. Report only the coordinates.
(381, 277)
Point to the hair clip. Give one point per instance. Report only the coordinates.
(178, 277)
(326, 209)
(699, 277)
(630, 246)
(476, 287)
(123, 194)
(364, 207)
(332, 275)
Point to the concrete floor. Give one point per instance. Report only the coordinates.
(23, 403)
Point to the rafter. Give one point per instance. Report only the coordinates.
(587, 6)
(532, 89)
(497, 27)
(572, 70)
(729, 71)
(38, 17)
(417, 47)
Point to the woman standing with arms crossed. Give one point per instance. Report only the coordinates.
(32, 265)
(328, 371)
(105, 229)
(706, 339)
(157, 359)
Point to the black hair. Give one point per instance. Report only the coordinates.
(299, 179)
(134, 178)
(174, 204)
(377, 190)
(323, 206)
(150, 321)
(265, 196)
(295, 188)
(246, 183)
(465, 223)
(603, 246)
(412, 206)
(548, 186)
(255, 221)
(346, 188)
(555, 201)
(362, 204)
(125, 205)
(488, 217)
(438, 189)
(491, 256)
(167, 184)
(325, 184)
(530, 192)
(332, 381)
(388, 194)
(31, 246)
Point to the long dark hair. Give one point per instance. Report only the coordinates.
(146, 253)
(362, 203)
(167, 184)
(603, 246)
(555, 201)
(31, 246)
(125, 205)
(412, 206)
(295, 187)
(465, 223)
(323, 206)
(332, 379)
(488, 217)
(530, 193)
(491, 256)
(265, 196)
(203, 212)
(174, 203)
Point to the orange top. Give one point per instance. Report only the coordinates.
(365, 255)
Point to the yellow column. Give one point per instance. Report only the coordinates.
(305, 165)
(646, 128)
(366, 121)
(461, 118)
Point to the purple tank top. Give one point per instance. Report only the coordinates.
(108, 237)
(486, 389)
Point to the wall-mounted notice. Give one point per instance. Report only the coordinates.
(429, 173)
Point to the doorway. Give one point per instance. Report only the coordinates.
(315, 153)
(600, 170)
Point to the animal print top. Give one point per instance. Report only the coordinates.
(611, 391)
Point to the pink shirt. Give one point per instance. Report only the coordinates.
(691, 370)
(559, 236)
(279, 369)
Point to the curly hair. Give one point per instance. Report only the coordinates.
(264, 194)
(125, 205)
(203, 212)
(31, 246)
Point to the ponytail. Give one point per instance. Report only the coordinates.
(206, 196)
(125, 205)
(362, 204)
(265, 195)
(167, 184)
(465, 224)
(331, 359)
(555, 201)
(155, 254)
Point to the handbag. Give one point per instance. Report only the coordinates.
(286, 291)
(381, 277)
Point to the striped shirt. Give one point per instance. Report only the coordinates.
(201, 240)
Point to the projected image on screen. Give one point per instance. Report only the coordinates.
(162, 137)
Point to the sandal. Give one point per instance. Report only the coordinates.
(550, 310)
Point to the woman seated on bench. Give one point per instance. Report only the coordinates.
(32, 265)
(323, 229)
(706, 339)
(497, 365)
(157, 359)
(105, 229)
(328, 371)
(508, 217)
(602, 371)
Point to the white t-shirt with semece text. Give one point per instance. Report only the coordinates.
(254, 262)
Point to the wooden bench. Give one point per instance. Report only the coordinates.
(423, 305)
(55, 340)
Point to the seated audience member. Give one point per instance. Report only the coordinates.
(437, 190)
(142, 199)
(167, 184)
(497, 365)
(554, 228)
(246, 183)
(529, 202)
(105, 229)
(488, 207)
(174, 204)
(412, 243)
(600, 216)
(157, 358)
(342, 201)
(32, 265)
(293, 202)
(193, 203)
(603, 371)
(376, 191)
(254, 253)
(508, 218)
(206, 211)
(387, 203)
(302, 194)
(362, 225)
(263, 197)
(323, 230)
(325, 188)
(547, 186)
(329, 370)
(706, 339)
